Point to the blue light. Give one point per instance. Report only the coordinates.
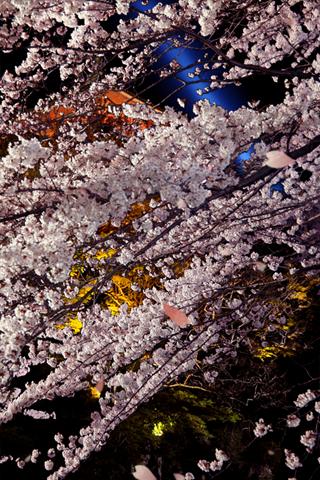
(143, 6)
(277, 187)
(185, 86)
(230, 97)
(242, 158)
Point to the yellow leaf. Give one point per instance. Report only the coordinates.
(83, 293)
(105, 253)
(72, 322)
(121, 282)
(300, 295)
(75, 324)
(94, 392)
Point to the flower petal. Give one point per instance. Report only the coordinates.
(179, 476)
(177, 316)
(99, 386)
(278, 159)
(143, 473)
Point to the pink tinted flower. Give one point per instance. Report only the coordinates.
(293, 421)
(204, 465)
(304, 398)
(292, 460)
(308, 439)
(261, 429)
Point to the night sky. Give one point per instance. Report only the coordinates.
(231, 97)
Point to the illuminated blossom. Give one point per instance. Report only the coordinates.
(317, 407)
(204, 465)
(309, 416)
(292, 460)
(293, 421)
(111, 211)
(48, 464)
(261, 429)
(308, 439)
(304, 398)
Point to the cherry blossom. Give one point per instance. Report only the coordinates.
(261, 429)
(71, 185)
(292, 460)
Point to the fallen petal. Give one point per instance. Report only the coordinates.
(278, 159)
(143, 473)
(177, 316)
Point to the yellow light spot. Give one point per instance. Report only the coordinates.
(83, 293)
(158, 429)
(76, 271)
(101, 254)
(73, 322)
(121, 282)
(94, 392)
(273, 352)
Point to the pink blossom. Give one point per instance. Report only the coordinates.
(261, 429)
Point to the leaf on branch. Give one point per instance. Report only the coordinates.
(278, 159)
(177, 316)
(143, 473)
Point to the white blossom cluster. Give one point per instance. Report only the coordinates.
(309, 438)
(215, 465)
(304, 398)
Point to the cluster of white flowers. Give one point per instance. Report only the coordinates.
(215, 465)
(308, 439)
(62, 177)
(304, 398)
(261, 429)
(38, 414)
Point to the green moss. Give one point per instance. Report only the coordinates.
(204, 405)
(173, 417)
